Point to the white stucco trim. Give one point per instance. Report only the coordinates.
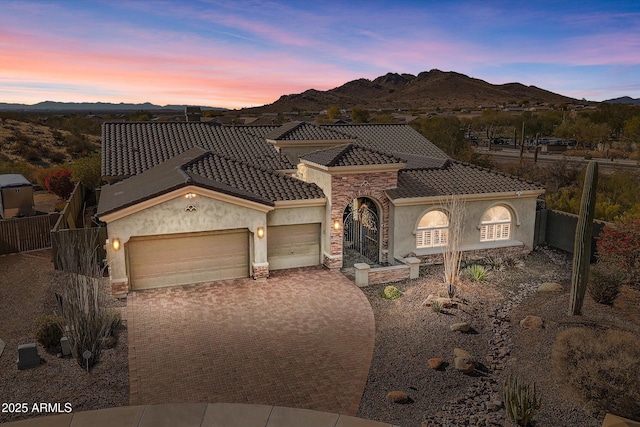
(410, 201)
(509, 206)
(355, 169)
(181, 192)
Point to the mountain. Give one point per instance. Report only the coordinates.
(52, 106)
(624, 100)
(429, 89)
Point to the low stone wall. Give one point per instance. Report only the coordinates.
(365, 275)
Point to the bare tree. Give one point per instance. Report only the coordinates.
(83, 301)
(451, 254)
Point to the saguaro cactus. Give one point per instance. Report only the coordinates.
(582, 243)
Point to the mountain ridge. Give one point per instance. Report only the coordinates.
(94, 106)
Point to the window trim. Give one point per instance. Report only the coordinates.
(493, 231)
(432, 237)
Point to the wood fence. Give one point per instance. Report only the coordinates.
(25, 234)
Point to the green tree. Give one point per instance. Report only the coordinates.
(333, 112)
(87, 171)
(359, 115)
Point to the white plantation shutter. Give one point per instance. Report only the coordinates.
(420, 239)
(496, 224)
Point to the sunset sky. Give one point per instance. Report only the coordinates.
(247, 53)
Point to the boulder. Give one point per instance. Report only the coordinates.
(397, 396)
(531, 322)
(435, 362)
(463, 361)
(460, 327)
(550, 287)
(444, 302)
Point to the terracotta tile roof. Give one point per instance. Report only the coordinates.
(351, 155)
(200, 167)
(398, 139)
(302, 131)
(456, 178)
(131, 148)
(270, 185)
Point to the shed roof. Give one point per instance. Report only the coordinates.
(13, 180)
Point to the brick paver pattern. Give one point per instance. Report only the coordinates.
(302, 338)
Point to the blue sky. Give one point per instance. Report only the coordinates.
(246, 53)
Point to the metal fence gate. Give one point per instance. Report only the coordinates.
(361, 232)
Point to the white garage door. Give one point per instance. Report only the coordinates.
(179, 259)
(290, 246)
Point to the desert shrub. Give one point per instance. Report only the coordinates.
(391, 292)
(49, 331)
(59, 183)
(602, 366)
(520, 400)
(436, 307)
(476, 273)
(605, 281)
(619, 245)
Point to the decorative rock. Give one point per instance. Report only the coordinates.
(435, 362)
(1, 347)
(531, 322)
(463, 361)
(444, 302)
(65, 346)
(550, 287)
(494, 405)
(460, 327)
(397, 396)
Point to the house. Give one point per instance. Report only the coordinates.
(189, 202)
(16, 196)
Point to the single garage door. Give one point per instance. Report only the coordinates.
(290, 246)
(179, 259)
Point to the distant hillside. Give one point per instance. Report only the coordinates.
(53, 106)
(623, 100)
(430, 89)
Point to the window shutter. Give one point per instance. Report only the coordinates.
(420, 239)
(505, 231)
(483, 233)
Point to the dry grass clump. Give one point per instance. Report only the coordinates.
(602, 366)
(605, 282)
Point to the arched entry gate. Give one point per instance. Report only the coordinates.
(362, 228)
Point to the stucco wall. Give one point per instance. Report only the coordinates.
(171, 217)
(404, 221)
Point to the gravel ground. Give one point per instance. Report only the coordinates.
(409, 333)
(27, 286)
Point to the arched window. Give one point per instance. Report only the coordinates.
(433, 230)
(495, 224)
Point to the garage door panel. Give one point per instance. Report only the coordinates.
(167, 260)
(290, 246)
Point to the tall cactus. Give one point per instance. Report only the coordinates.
(582, 244)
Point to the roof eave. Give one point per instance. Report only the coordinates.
(422, 200)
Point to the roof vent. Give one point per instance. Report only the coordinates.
(192, 114)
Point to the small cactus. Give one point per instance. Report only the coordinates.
(520, 401)
(582, 243)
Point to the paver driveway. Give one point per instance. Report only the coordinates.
(303, 338)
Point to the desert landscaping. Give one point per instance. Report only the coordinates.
(408, 334)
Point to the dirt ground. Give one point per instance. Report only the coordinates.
(409, 333)
(27, 286)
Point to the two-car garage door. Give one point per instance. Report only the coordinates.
(177, 259)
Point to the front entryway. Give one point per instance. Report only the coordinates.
(361, 230)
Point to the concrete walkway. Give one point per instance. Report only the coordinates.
(198, 415)
(302, 339)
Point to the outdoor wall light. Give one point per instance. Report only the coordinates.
(189, 196)
(336, 225)
(115, 244)
(261, 232)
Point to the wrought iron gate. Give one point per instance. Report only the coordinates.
(361, 232)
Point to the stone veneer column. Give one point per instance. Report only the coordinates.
(345, 188)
